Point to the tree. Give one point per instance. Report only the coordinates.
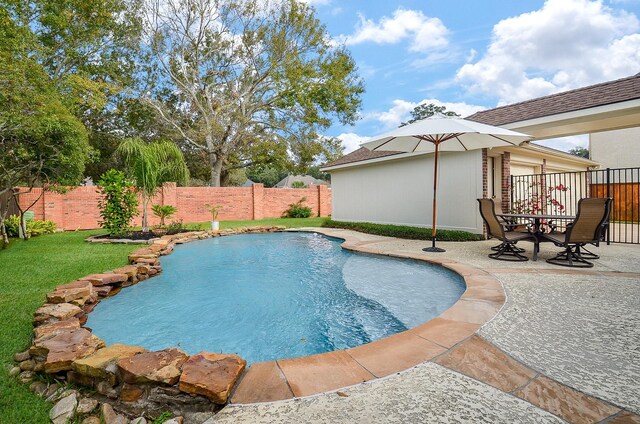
(580, 151)
(231, 76)
(425, 111)
(151, 165)
(41, 142)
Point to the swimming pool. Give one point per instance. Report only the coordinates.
(273, 296)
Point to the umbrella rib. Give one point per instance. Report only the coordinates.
(502, 139)
(390, 140)
(461, 143)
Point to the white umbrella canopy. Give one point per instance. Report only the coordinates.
(444, 134)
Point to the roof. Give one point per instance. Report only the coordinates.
(605, 93)
(359, 155)
(306, 179)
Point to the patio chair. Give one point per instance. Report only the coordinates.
(509, 224)
(507, 250)
(588, 228)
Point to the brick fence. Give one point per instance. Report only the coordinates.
(78, 207)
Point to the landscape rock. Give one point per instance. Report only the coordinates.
(175, 420)
(102, 363)
(161, 367)
(130, 270)
(130, 392)
(79, 379)
(14, 371)
(38, 387)
(50, 392)
(212, 375)
(146, 261)
(49, 330)
(92, 420)
(139, 420)
(111, 417)
(86, 406)
(50, 312)
(64, 409)
(106, 389)
(22, 356)
(103, 291)
(64, 348)
(106, 278)
(27, 365)
(80, 289)
(26, 376)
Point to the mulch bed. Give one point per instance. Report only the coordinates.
(139, 235)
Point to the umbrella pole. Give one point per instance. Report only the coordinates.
(433, 247)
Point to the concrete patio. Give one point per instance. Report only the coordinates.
(571, 336)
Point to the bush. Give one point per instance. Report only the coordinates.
(163, 212)
(119, 203)
(404, 231)
(34, 227)
(298, 184)
(298, 210)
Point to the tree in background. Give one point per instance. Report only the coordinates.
(151, 165)
(580, 151)
(41, 142)
(234, 76)
(425, 111)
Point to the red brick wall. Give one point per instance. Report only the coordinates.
(78, 207)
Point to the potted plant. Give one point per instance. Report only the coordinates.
(215, 224)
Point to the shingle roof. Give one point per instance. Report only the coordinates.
(582, 98)
(359, 155)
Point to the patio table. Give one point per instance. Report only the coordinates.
(537, 230)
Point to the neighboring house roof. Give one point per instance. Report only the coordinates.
(359, 155)
(248, 183)
(620, 90)
(306, 179)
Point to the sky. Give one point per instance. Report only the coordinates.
(470, 55)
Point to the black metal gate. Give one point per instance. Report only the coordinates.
(558, 194)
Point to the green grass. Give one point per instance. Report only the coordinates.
(31, 269)
(403, 231)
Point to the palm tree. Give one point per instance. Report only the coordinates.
(151, 165)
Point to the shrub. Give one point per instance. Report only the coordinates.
(119, 203)
(298, 184)
(298, 210)
(163, 212)
(404, 231)
(34, 227)
(175, 227)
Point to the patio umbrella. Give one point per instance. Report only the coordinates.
(444, 134)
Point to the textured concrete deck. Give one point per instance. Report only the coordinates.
(579, 328)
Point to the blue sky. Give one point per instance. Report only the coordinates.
(477, 54)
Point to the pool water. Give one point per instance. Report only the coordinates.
(274, 296)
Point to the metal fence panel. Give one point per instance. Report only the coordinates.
(559, 193)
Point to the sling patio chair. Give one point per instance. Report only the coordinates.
(507, 250)
(588, 228)
(510, 224)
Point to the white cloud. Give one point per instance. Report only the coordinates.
(351, 141)
(425, 33)
(400, 111)
(316, 2)
(566, 143)
(564, 45)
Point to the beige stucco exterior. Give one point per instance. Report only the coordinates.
(616, 149)
(399, 189)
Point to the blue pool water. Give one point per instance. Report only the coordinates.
(274, 296)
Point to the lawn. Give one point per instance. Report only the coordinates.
(29, 270)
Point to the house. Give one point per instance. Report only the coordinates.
(396, 188)
(626, 153)
(307, 180)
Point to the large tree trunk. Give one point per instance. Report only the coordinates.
(216, 162)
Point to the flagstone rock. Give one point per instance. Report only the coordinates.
(27, 365)
(112, 417)
(106, 278)
(146, 261)
(131, 392)
(38, 387)
(92, 420)
(47, 331)
(103, 291)
(50, 312)
(211, 375)
(102, 363)
(86, 406)
(106, 389)
(64, 409)
(22, 356)
(162, 367)
(139, 420)
(130, 270)
(76, 290)
(62, 349)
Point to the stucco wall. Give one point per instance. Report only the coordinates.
(616, 149)
(401, 191)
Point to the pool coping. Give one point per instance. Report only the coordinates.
(291, 378)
